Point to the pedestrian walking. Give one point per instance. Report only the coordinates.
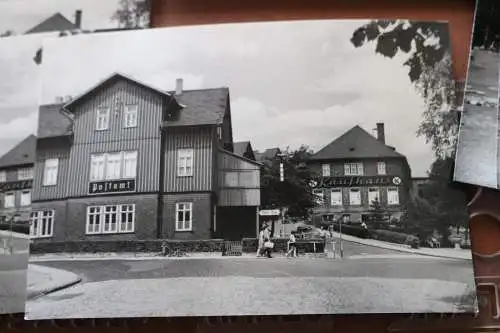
(292, 248)
(268, 244)
(260, 244)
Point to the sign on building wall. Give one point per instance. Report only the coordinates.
(269, 212)
(17, 185)
(356, 181)
(112, 186)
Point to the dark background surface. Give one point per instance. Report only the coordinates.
(485, 226)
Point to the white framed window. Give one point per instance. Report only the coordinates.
(97, 166)
(336, 197)
(318, 196)
(25, 173)
(326, 170)
(129, 164)
(381, 170)
(42, 223)
(102, 119)
(9, 200)
(118, 165)
(184, 162)
(25, 198)
(50, 169)
(130, 116)
(184, 216)
(373, 195)
(353, 169)
(3, 176)
(354, 196)
(113, 165)
(110, 219)
(393, 196)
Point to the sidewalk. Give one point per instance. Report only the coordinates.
(441, 252)
(154, 256)
(43, 280)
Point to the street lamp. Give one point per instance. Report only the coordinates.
(282, 179)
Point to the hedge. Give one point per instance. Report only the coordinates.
(104, 246)
(353, 231)
(389, 236)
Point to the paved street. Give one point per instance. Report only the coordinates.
(13, 275)
(372, 280)
(477, 149)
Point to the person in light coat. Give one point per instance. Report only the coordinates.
(260, 245)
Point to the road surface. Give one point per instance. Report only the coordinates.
(13, 275)
(476, 161)
(371, 280)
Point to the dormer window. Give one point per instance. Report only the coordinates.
(130, 116)
(326, 170)
(353, 169)
(102, 119)
(3, 176)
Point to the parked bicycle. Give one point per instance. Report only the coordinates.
(168, 251)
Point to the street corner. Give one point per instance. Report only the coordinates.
(43, 280)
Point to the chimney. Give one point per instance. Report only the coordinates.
(178, 86)
(380, 132)
(78, 19)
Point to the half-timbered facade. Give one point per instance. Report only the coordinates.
(356, 170)
(16, 180)
(127, 160)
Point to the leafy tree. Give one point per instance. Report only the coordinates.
(441, 205)
(7, 33)
(295, 192)
(429, 66)
(133, 13)
(377, 214)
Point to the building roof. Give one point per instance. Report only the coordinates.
(56, 22)
(201, 107)
(268, 154)
(51, 121)
(355, 143)
(23, 153)
(244, 148)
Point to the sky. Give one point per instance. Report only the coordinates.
(19, 75)
(291, 83)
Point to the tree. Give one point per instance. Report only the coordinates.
(295, 192)
(133, 13)
(7, 33)
(377, 214)
(441, 204)
(429, 70)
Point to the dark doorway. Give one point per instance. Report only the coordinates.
(236, 223)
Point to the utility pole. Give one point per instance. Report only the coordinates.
(282, 179)
(341, 245)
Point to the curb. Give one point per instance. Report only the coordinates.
(70, 281)
(383, 246)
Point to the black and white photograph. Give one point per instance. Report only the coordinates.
(23, 26)
(477, 150)
(296, 167)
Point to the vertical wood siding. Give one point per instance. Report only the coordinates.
(201, 141)
(74, 162)
(148, 164)
(57, 191)
(149, 114)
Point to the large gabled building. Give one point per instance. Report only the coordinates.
(356, 169)
(125, 160)
(16, 180)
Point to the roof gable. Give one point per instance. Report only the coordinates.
(52, 122)
(244, 148)
(55, 22)
(23, 153)
(355, 143)
(106, 82)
